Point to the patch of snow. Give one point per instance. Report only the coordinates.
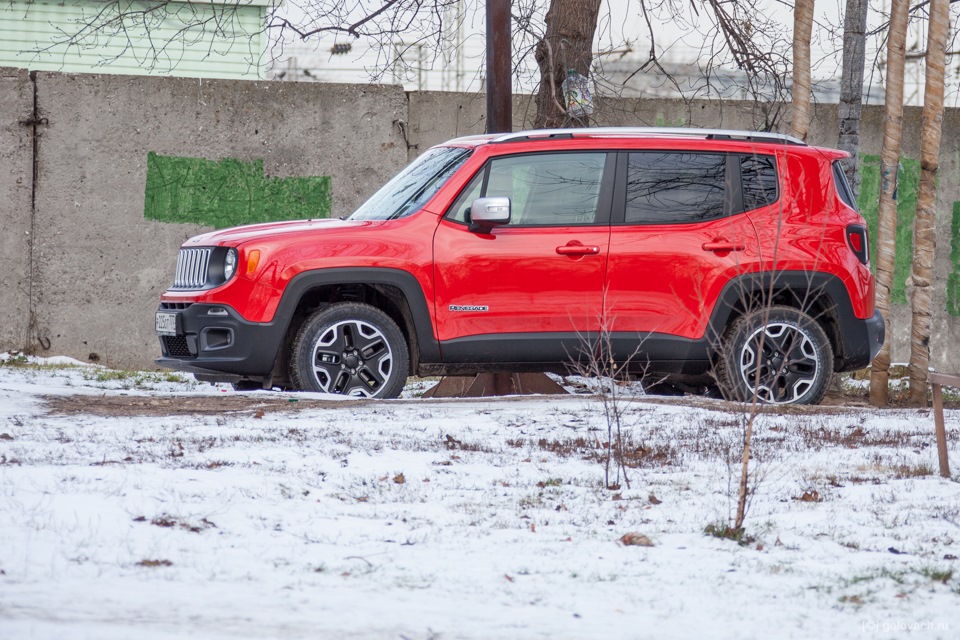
(473, 518)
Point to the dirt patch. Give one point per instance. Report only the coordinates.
(167, 405)
(123, 406)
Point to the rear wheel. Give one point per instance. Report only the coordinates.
(351, 349)
(778, 354)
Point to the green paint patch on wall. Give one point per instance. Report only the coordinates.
(661, 121)
(908, 179)
(953, 280)
(228, 192)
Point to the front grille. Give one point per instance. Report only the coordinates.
(192, 267)
(176, 346)
(174, 306)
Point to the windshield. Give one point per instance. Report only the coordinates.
(411, 188)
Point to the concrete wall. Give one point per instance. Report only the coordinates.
(91, 267)
(16, 169)
(99, 265)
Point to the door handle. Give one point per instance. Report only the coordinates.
(720, 245)
(578, 250)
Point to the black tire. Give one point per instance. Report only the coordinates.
(790, 350)
(350, 349)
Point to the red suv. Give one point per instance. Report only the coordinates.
(679, 253)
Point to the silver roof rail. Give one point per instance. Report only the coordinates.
(714, 134)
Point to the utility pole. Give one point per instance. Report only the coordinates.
(499, 75)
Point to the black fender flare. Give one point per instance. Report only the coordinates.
(409, 286)
(807, 287)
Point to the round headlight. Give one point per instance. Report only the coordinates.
(230, 264)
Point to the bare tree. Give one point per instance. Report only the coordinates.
(889, 167)
(924, 228)
(851, 88)
(742, 35)
(550, 37)
(802, 30)
(567, 44)
(596, 360)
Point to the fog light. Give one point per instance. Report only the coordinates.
(216, 338)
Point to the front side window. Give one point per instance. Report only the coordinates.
(548, 189)
(671, 187)
(414, 186)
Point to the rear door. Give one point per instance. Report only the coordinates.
(530, 291)
(678, 236)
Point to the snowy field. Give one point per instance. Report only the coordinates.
(143, 505)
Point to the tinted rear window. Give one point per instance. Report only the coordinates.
(843, 187)
(667, 188)
(758, 177)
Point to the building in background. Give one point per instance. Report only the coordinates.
(197, 39)
(453, 60)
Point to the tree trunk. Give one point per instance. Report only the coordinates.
(924, 227)
(800, 106)
(567, 44)
(851, 88)
(889, 165)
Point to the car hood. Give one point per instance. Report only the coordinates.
(238, 235)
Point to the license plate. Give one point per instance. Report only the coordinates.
(166, 323)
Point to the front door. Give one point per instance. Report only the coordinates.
(529, 291)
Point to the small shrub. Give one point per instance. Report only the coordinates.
(726, 532)
(14, 360)
(942, 576)
(550, 482)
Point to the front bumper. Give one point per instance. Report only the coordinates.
(216, 343)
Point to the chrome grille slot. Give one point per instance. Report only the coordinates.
(192, 267)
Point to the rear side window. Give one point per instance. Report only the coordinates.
(843, 187)
(758, 180)
(665, 188)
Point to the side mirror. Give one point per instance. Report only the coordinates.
(489, 212)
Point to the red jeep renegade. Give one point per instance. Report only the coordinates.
(680, 253)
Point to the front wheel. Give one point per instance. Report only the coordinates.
(350, 349)
(779, 355)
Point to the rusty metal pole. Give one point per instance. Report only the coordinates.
(499, 73)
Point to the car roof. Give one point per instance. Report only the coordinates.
(545, 135)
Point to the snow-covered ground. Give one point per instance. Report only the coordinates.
(144, 506)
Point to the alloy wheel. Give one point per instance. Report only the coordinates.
(780, 362)
(352, 357)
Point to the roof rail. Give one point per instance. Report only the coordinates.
(666, 132)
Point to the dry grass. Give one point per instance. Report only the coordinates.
(636, 455)
(155, 563)
(167, 521)
(854, 437)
